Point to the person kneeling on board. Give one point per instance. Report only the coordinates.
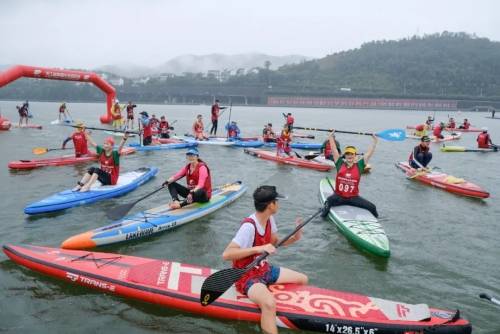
(110, 164)
(349, 169)
(484, 140)
(199, 182)
(326, 149)
(420, 156)
(258, 234)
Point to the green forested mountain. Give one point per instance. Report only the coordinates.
(445, 65)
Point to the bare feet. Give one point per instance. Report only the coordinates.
(84, 189)
(175, 205)
(77, 188)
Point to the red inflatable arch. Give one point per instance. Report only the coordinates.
(20, 71)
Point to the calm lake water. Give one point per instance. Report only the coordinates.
(445, 248)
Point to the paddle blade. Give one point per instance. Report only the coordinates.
(392, 134)
(40, 150)
(216, 284)
(118, 212)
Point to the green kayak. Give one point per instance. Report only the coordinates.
(357, 224)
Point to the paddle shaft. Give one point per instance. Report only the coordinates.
(281, 242)
(229, 121)
(102, 129)
(330, 130)
(491, 299)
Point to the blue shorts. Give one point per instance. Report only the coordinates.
(269, 277)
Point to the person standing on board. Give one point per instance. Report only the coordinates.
(484, 139)
(63, 112)
(198, 129)
(198, 179)
(109, 171)
(421, 155)
(268, 135)
(215, 116)
(349, 169)
(23, 114)
(465, 125)
(147, 129)
(289, 120)
(116, 114)
(130, 115)
(79, 137)
(257, 234)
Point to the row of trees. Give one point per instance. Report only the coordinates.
(445, 65)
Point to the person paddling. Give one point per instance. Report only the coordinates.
(116, 115)
(233, 131)
(421, 155)
(109, 159)
(130, 115)
(484, 139)
(465, 125)
(268, 135)
(283, 143)
(23, 114)
(257, 234)
(79, 137)
(289, 120)
(215, 113)
(451, 124)
(198, 179)
(349, 169)
(147, 130)
(438, 131)
(198, 129)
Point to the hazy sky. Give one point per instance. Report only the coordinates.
(86, 34)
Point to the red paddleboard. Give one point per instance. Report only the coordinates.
(60, 161)
(4, 124)
(178, 285)
(444, 181)
(271, 155)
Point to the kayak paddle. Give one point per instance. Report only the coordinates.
(102, 129)
(121, 210)
(43, 150)
(216, 284)
(389, 134)
(491, 299)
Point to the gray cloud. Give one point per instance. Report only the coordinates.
(90, 33)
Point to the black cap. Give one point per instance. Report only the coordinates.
(217, 101)
(265, 194)
(425, 139)
(144, 113)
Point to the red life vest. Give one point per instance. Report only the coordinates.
(164, 127)
(108, 166)
(290, 120)
(80, 143)
(347, 181)
(117, 113)
(466, 125)
(452, 125)
(148, 131)
(263, 267)
(198, 127)
(437, 131)
(192, 178)
(483, 140)
(232, 132)
(420, 127)
(62, 109)
(215, 112)
(268, 134)
(328, 149)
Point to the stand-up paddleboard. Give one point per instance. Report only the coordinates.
(269, 155)
(248, 143)
(465, 149)
(68, 198)
(159, 147)
(62, 122)
(28, 126)
(444, 181)
(455, 136)
(299, 145)
(209, 141)
(356, 224)
(64, 160)
(178, 285)
(154, 221)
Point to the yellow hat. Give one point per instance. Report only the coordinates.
(80, 124)
(350, 149)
